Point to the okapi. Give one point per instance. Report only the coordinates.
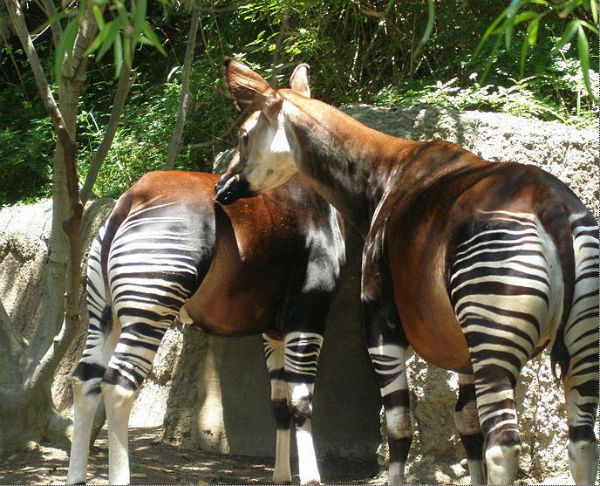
(477, 265)
(267, 265)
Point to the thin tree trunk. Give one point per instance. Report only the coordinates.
(47, 347)
(186, 96)
(125, 81)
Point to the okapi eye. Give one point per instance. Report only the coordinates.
(244, 138)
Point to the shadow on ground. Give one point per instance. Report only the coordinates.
(153, 462)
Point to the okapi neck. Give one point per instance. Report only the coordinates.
(346, 162)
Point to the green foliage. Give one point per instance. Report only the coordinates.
(140, 142)
(564, 18)
(122, 31)
(379, 51)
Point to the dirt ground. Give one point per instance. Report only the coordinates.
(153, 462)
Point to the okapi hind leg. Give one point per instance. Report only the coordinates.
(467, 424)
(581, 342)
(274, 354)
(100, 343)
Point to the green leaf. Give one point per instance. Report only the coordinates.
(152, 37)
(139, 16)
(509, 24)
(524, 51)
(111, 35)
(525, 16)
(98, 16)
(594, 8)
(583, 48)
(65, 47)
(118, 52)
(489, 31)
(568, 33)
(100, 38)
(589, 26)
(532, 31)
(430, 20)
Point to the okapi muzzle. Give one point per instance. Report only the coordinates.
(231, 187)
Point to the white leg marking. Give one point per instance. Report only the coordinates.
(118, 402)
(307, 460)
(583, 460)
(396, 473)
(476, 471)
(283, 472)
(84, 406)
(502, 463)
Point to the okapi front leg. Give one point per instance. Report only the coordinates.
(302, 351)
(467, 423)
(274, 354)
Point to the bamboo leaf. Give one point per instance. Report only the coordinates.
(583, 48)
(524, 51)
(532, 31)
(525, 16)
(509, 24)
(111, 35)
(594, 9)
(489, 31)
(139, 16)
(589, 26)
(430, 20)
(99, 40)
(569, 32)
(152, 37)
(65, 47)
(118, 53)
(98, 16)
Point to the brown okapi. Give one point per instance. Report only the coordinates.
(267, 265)
(477, 265)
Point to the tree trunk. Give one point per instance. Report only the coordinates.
(186, 96)
(26, 409)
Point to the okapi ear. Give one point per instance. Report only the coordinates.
(248, 89)
(299, 81)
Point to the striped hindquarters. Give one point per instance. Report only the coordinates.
(152, 269)
(503, 284)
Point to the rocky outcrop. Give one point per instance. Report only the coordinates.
(213, 392)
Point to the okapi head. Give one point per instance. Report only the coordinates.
(264, 157)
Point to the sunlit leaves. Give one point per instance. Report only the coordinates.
(570, 18)
(121, 27)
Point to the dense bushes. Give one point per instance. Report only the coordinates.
(360, 51)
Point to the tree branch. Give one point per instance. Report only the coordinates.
(125, 81)
(186, 96)
(55, 26)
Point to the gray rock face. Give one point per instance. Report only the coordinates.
(213, 392)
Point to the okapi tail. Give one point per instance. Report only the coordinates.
(553, 213)
(116, 218)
